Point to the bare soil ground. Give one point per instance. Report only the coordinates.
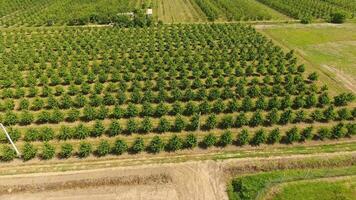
(204, 180)
(194, 180)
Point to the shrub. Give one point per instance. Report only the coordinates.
(131, 126)
(43, 117)
(85, 149)
(103, 149)
(56, 116)
(286, 117)
(119, 147)
(274, 136)
(338, 131)
(72, 115)
(161, 109)
(138, 145)
(65, 133)
(28, 151)
(147, 109)
(351, 129)
(226, 122)
(324, 99)
(306, 19)
(242, 137)
(118, 112)
(114, 129)
(8, 154)
(272, 117)
(163, 125)
(343, 99)
(31, 135)
(323, 133)
(98, 129)
(344, 114)
(209, 140)
(338, 18)
(46, 134)
(329, 114)
(26, 118)
(179, 124)
(194, 122)
(48, 151)
(190, 108)
(225, 138)
(146, 126)
(300, 116)
(66, 150)
(256, 119)
(211, 122)
(306, 134)
(14, 134)
(156, 145)
(292, 135)
(89, 113)
(258, 138)
(241, 120)
(174, 143)
(10, 118)
(102, 112)
(81, 132)
(313, 76)
(247, 104)
(190, 141)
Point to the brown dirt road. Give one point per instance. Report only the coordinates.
(205, 180)
(193, 180)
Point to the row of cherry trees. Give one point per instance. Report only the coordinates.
(174, 143)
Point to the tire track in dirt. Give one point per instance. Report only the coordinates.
(347, 80)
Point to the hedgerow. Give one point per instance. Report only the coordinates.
(190, 141)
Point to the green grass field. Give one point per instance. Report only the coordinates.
(263, 185)
(329, 189)
(330, 50)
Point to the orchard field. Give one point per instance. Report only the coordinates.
(94, 84)
(63, 88)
